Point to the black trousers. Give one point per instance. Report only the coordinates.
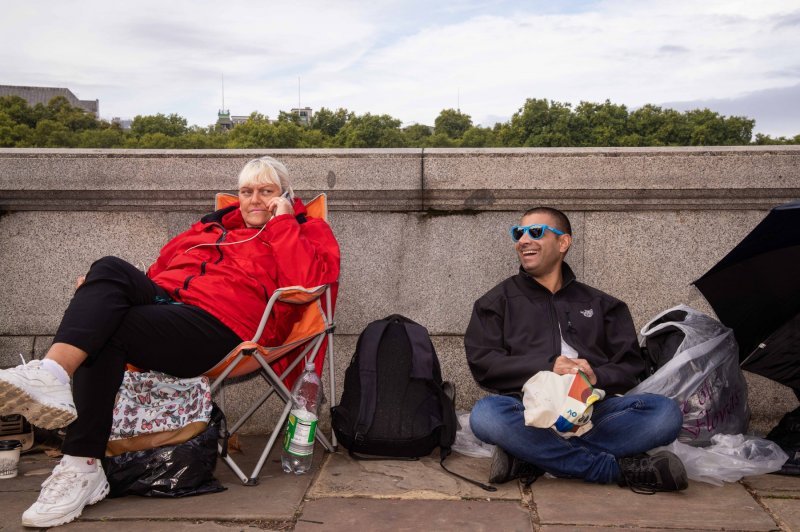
(119, 316)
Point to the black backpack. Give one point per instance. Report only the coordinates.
(394, 402)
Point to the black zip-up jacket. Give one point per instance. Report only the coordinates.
(514, 333)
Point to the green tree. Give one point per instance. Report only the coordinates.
(204, 138)
(170, 126)
(313, 138)
(73, 118)
(479, 137)
(330, 122)
(106, 137)
(18, 110)
(416, 134)
(452, 123)
(599, 124)
(259, 132)
(51, 134)
(292, 118)
(371, 131)
(540, 123)
(708, 128)
(440, 140)
(762, 139)
(739, 130)
(12, 133)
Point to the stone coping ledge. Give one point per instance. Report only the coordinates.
(430, 201)
(411, 179)
(409, 152)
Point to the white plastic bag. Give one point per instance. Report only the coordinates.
(729, 458)
(466, 443)
(703, 377)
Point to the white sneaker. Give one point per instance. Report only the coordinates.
(64, 495)
(35, 393)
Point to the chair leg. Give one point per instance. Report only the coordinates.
(331, 384)
(271, 442)
(234, 467)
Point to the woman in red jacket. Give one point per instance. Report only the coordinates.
(204, 294)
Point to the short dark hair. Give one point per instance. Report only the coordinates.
(562, 222)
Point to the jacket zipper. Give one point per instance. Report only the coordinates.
(556, 336)
(203, 264)
(572, 333)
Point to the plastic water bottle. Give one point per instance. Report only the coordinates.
(301, 426)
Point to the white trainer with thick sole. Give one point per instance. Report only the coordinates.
(35, 393)
(64, 495)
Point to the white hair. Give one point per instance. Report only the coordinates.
(266, 170)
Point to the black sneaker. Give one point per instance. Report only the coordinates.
(505, 468)
(647, 474)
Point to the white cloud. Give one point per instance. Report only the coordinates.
(403, 57)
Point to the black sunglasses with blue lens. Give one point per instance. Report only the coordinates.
(535, 231)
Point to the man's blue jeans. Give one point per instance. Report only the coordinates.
(623, 426)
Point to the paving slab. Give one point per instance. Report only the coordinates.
(276, 498)
(11, 508)
(573, 528)
(334, 514)
(786, 512)
(700, 507)
(774, 485)
(162, 526)
(17, 493)
(343, 476)
(274, 501)
(32, 469)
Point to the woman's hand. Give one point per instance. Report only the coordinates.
(280, 205)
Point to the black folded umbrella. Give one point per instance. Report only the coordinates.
(755, 290)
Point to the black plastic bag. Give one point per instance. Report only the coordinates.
(787, 435)
(172, 470)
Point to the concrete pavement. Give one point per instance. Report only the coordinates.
(345, 494)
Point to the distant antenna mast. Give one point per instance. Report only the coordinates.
(223, 91)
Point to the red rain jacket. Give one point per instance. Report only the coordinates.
(233, 281)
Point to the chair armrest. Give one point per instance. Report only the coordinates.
(299, 295)
(295, 295)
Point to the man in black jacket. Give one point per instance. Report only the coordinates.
(543, 319)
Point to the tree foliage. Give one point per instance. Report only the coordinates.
(170, 126)
(538, 123)
(452, 123)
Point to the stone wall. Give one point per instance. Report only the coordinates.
(423, 232)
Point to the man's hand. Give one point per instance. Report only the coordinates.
(565, 366)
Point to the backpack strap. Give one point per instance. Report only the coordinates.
(443, 454)
(368, 375)
(447, 432)
(447, 395)
(422, 353)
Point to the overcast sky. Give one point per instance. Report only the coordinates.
(409, 58)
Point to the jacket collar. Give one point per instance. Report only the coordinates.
(567, 277)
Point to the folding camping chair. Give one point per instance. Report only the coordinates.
(303, 343)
